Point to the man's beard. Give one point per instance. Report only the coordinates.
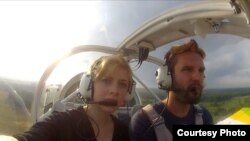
(189, 95)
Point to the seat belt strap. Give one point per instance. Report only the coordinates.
(198, 115)
(161, 131)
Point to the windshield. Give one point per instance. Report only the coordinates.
(36, 33)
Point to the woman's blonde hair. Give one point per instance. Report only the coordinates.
(107, 65)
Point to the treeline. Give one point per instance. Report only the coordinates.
(222, 105)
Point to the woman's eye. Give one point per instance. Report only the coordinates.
(106, 81)
(123, 85)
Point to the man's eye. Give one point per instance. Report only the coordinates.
(202, 70)
(187, 69)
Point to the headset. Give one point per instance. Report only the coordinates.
(86, 83)
(163, 77)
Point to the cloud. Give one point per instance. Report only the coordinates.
(228, 66)
(226, 59)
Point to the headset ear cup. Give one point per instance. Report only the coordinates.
(163, 78)
(204, 82)
(85, 86)
(131, 91)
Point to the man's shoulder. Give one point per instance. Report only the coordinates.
(200, 108)
(155, 106)
(205, 113)
(140, 116)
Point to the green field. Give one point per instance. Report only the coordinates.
(11, 121)
(223, 104)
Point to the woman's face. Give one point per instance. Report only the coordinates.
(113, 86)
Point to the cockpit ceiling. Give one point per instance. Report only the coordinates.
(200, 19)
(175, 31)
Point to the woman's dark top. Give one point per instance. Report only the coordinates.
(72, 125)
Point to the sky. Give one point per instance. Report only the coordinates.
(227, 60)
(35, 33)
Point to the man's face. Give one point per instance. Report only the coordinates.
(188, 77)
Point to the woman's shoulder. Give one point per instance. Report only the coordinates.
(72, 115)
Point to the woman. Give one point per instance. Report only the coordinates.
(108, 87)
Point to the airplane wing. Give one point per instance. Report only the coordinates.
(240, 117)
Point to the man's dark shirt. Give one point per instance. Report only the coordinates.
(141, 129)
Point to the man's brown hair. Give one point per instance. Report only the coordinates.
(191, 46)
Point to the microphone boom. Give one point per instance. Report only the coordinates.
(106, 102)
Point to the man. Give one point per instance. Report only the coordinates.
(183, 77)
